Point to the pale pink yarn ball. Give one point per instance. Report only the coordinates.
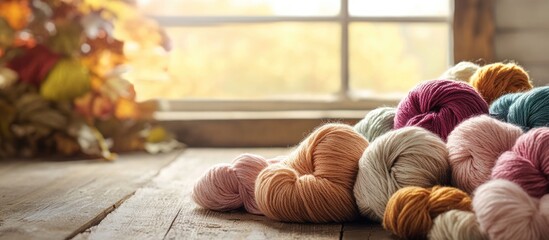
(227, 187)
(474, 146)
(505, 211)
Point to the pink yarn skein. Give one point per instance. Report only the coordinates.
(227, 187)
(439, 106)
(474, 146)
(505, 211)
(527, 164)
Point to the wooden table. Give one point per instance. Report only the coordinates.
(138, 196)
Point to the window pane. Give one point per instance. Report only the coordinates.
(399, 7)
(240, 7)
(390, 58)
(243, 61)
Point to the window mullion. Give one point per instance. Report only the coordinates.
(344, 22)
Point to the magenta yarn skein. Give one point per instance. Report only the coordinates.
(527, 163)
(474, 146)
(227, 187)
(439, 106)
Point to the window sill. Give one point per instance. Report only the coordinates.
(250, 128)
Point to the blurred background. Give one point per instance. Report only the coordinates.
(127, 74)
(269, 49)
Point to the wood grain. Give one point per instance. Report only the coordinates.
(164, 209)
(57, 200)
(474, 29)
(365, 230)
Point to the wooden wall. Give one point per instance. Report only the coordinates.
(522, 34)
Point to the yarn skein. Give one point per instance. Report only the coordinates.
(497, 79)
(439, 106)
(474, 146)
(409, 156)
(461, 71)
(505, 211)
(315, 183)
(227, 187)
(376, 123)
(499, 109)
(456, 225)
(411, 210)
(531, 109)
(527, 163)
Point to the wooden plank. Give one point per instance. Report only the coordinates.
(364, 230)
(164, 209)
(523, 46)
(474, 29)
(274, 132)
(525, 14)
(57, 200)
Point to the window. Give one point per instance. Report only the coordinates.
(287, 49)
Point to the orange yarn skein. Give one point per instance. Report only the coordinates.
(497, 79)
(315, 183)
(411, 210)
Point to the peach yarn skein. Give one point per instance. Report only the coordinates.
(315, 183)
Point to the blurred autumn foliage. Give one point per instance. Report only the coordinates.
(62, 90)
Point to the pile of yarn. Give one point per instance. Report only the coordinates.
(463, 157)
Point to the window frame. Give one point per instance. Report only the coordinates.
(343, 99)
(285, 122)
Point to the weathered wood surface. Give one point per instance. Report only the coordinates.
(58, 199)
(137, 197)
(164, 209)
(365, 230)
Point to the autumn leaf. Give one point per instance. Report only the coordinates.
(83, 106)
(126, 109)
(16, 12)
(34, 64)
(102, 107)
(68, 37)
(92, 142)
(68, 80)
(7, 36)
(157, 134)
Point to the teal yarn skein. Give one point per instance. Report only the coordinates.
(499, 109)
(376, 123)
(531, 109)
